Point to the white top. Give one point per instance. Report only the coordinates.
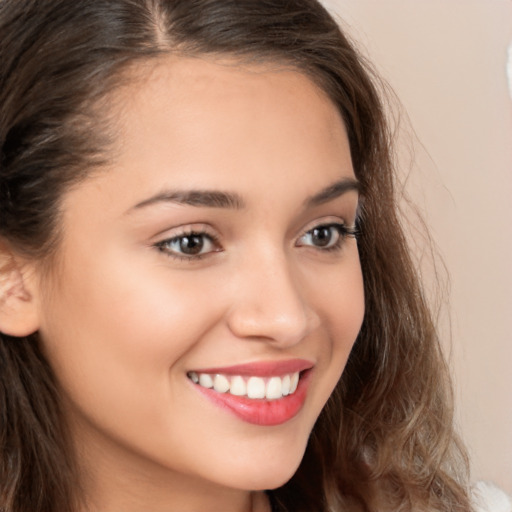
(488, 498)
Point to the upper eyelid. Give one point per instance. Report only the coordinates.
(216, 234)
(339, 224)
(161, 245)
(184, 230)
(161, 240)
(214, 239)
(202, 228)
(326, 221)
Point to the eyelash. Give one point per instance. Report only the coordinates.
(344, 232)
(164, 245)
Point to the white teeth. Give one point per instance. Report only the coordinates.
(238, 386)
(256, 387)
(294, 380)
(270, 388)
(220, 384)
(205, 380)
(274, 388)
(286, 385)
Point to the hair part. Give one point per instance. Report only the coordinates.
(385, 439)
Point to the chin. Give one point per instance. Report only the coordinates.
(278, 469)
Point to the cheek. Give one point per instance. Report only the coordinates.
(117, 338)
(340, 303)
(343, 307)
(126, 307)
(112, 332)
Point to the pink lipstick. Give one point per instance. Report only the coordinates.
(262, 393)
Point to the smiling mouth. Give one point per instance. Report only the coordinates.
(265, 393)
(252, 387)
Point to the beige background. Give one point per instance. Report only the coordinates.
(447, 62)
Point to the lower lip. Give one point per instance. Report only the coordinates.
(261, 411)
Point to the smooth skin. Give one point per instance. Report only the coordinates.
(127, 311)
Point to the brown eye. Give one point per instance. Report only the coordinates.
(188, 245)
(323, 237)
(191, 245)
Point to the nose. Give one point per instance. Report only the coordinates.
(268, 303)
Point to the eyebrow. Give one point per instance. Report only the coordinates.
(205, 198)
(333, 191)
(232, 200)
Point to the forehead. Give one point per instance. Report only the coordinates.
(266, 133)
(236, 113)
(203, 79)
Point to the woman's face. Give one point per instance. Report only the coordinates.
(217, 247)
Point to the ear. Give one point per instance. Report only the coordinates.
(19, 314)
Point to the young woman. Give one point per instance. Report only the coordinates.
(206, 300)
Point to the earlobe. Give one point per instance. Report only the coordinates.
(18, 308)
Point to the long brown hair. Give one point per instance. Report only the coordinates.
(385, 439)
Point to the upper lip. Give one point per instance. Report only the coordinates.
(261, 368)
